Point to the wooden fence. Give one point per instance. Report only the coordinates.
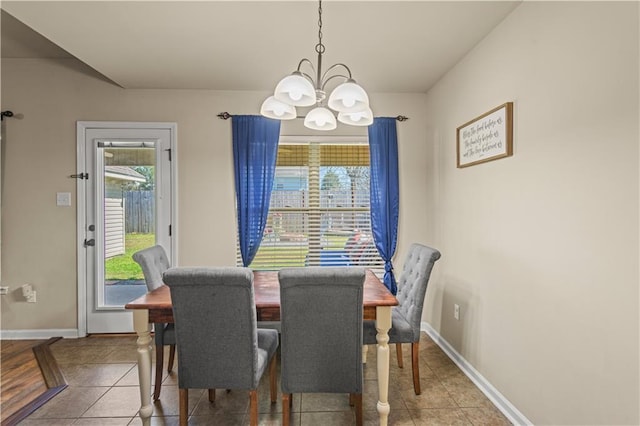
(140, 212)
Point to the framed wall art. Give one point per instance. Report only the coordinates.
(487, 137)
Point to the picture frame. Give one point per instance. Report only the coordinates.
(487, 137)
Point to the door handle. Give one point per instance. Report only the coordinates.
(89, 243)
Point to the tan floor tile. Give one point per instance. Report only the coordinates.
(47, 422)
(312, 402)
(123, 354)
(485, 416)
(464, 392)
(439, 416)
(103, 421)
(95, 340)
(334, 418)
(95, 374)
(116, 402)
(397, 417)
(218, 419)
(268, 419)
(70, 403)
(80, 355)
(157, 421)
(433, 395)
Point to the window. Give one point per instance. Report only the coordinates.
(319, 211)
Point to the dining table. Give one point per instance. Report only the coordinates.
(155, 307)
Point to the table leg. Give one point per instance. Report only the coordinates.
(143, 329)
(383, 324)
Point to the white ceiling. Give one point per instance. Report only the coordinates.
(390, 46)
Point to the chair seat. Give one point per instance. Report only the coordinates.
(400, 332)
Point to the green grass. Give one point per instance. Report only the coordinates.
(123, 267)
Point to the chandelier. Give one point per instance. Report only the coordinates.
(300, 89)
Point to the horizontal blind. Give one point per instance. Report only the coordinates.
(319, 212)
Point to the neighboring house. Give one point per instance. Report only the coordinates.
(115, 179)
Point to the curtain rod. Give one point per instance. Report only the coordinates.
(4, 114)
(225, 116)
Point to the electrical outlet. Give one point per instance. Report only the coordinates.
(4, 290)
(456, 311)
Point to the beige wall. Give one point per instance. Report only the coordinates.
(39, 239)
(541, 249)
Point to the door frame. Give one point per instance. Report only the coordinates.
(81, 221)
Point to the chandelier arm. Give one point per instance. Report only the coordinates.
(324, 82)
(309, 77)
(305, 60)
(334, 66)
(308, 62)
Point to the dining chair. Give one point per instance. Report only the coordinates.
(219, 344)
(407, 316)
(321, 320)
(153, 261)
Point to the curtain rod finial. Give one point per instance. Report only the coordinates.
(402, 118)
(224, 115)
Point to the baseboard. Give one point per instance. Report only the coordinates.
(67, 333)
(501, 403)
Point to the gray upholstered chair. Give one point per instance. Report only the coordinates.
(219, 344)
(321, 321)
(406, 317)
(154, 262)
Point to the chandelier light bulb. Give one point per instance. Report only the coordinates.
(320, 118)
(296, 95)
(348, 102)
(348, 97)
(296, 90)
(359, 118)
(273, 108)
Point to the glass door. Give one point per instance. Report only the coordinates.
(128, 208)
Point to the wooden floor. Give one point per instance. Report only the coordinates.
(30, 377)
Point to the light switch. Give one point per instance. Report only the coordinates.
(63, 199)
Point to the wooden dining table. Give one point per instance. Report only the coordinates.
(155, 306)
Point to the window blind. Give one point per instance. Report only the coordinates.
(319, 210)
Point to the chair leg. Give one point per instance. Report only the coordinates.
(212, 395)
(159, 362)
(399, 354)
(273, 380)
(172, 356)
(286, 409)
(415, 366)
(358, 403)
(253, 407)
(184, 406)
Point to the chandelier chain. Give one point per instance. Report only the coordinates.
(320, 46)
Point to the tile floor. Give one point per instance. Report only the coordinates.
(102, 376)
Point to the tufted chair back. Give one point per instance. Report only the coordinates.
(412, 285)
(154, 262)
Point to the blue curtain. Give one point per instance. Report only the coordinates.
(384, 196)
(255, 148)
